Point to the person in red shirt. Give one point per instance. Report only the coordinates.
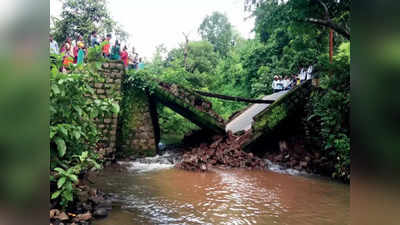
(124, 57)
(106, 46)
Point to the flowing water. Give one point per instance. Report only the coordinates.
(153, 192)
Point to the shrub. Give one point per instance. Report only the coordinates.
(73, 133)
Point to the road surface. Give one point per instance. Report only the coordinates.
(245, 119)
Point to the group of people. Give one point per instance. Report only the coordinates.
(281, 84)
(75, 51)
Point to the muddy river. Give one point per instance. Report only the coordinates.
(156, 193)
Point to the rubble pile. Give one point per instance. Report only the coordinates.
(296, 157)
(222, 152)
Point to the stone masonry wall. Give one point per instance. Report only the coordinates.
(112, 74)
(138, 137)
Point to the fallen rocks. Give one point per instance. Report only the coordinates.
(224, 151)
(293, 155)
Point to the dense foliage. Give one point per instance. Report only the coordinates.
(218, 31)
(295, 36)
(73, 132)
(81, 17)
(327, 123)
(286, 41)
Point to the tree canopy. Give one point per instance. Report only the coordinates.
(334, 14)
(218, 31)
(81, 17)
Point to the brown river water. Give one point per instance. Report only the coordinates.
(172, 196)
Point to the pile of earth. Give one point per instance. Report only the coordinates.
(224, 151)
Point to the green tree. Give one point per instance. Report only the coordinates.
(218, 31)
(309, 14)
(158, 61)
(200, 65)
(81, 17)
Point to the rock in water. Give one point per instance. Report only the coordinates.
(83, 217)
(100, 212)
(62, 216)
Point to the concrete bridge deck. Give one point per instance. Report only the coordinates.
(245, 119)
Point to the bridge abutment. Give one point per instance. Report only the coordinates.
(110, 87)
(138, 127)
(134, 130)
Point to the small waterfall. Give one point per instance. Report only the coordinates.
(164, 161)
(280, 169)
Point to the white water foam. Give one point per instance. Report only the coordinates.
(280, 169)
(158, 162)
(146, 167)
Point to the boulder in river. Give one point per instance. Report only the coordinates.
(100, 212)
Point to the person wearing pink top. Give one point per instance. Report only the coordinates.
(124, 56)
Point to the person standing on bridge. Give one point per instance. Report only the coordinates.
(141, 64)
(116, 51)
(124, 57)
(81, 51)
(93, 39)
(67, 55)
(274, 84)
(309, 73)
(303, 75)
(293, 81)
(136, 61)
(106, 46)
(286, 83)
(53, 46)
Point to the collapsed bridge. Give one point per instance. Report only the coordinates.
(137, 130)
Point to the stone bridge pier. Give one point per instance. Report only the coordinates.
(135, 130)
(139, 131)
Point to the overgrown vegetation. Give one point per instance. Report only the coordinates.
(290, 35)
(73, 132)
(329, 113)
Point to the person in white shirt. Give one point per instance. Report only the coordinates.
(303, 75)
(286, 83)
(279, 84)
(53, 46)
(274, 84)
(93, 39)
(309, 72)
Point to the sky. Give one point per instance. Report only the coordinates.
(154, 22)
